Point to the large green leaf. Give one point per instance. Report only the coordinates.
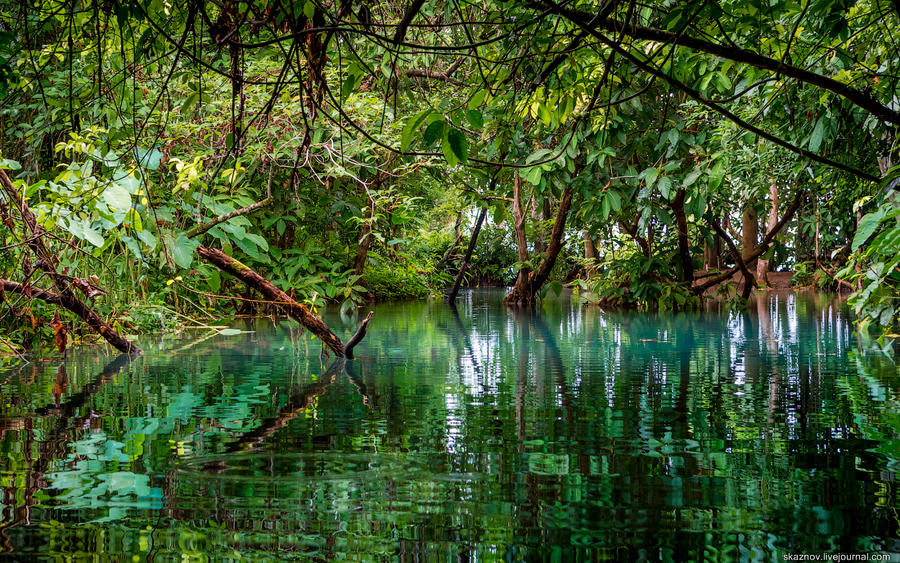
(148, 158)
(815, 141)
(665, 186)
(451, 157)
(117, 198)
(410, 128)
(867, 225)
(183, 250)
(475, 118)
(434, 131)
(458, 145)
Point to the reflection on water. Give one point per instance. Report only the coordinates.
(476, 433)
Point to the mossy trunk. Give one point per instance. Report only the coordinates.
(295, 310)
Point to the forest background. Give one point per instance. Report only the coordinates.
(651, 154)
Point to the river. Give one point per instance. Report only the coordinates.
(474, 433)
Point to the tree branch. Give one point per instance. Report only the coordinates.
(202, 228)
(295, 310)
(760, 250)
(48, 262)
(857, 97)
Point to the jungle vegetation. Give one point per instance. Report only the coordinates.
(163, 161)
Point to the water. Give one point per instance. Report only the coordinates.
(483, 434)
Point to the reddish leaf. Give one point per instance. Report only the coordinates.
(60, 333)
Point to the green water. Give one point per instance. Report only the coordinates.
(480, 434)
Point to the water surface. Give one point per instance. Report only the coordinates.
(468, 434)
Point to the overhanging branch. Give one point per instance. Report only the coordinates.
(590, 24)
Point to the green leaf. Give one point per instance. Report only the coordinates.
(477, 99)
(93, 237)
(723, 83)
(691, 178)
(665, 186)
(214, 281)
(147, 238)
(534, 175)
(434, 131)
(555, 287)
(615, 200)
(476, 119)
(449, 155)
(887, 242)
(231, 331)
(815, 141)
(543, 113)
(183, 250)
(411, 126)
(458, 145)
(117, 198)
(148, 159)
(348, 86)
(9, 164)
(127, 181)
(867, 225)
(537, 155)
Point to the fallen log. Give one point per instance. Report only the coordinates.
(24, 289)
(48, 262)
(295, 310)
(254, 280)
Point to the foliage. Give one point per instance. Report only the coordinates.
(127, 124)
(396, 281)
(874, 261)
(631, 280)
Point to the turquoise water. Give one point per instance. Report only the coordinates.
(474, 434)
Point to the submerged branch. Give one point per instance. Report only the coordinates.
(358, 336)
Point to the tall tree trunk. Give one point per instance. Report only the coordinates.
(365, 239)
(521, 240)
(749, 235)
(818, 251)
(684, 245)
(712, 251)
(590, 255)
(540, 213)
(717, 250)
(762, 266)
(468, 257)
(530, 282)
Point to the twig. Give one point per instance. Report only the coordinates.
(202, 228)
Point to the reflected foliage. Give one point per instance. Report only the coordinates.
(478, 432)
